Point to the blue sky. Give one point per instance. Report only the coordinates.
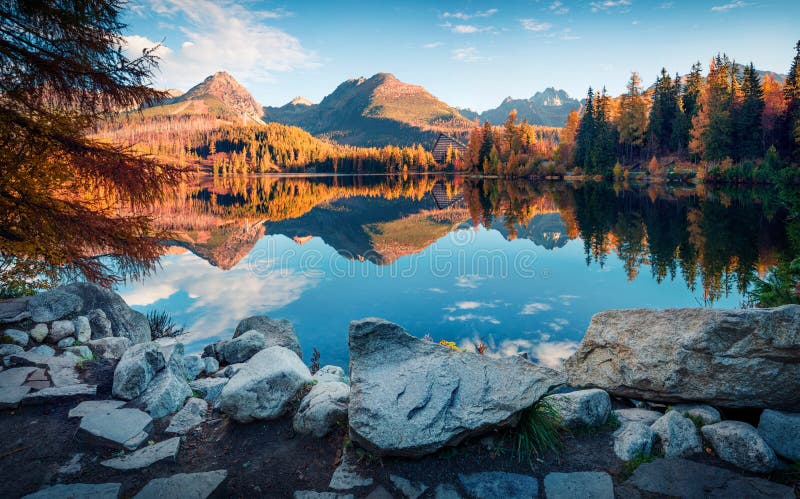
(467, 53)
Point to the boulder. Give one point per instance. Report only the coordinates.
(43, 350)
(702, 412)
(632, 440)
(116, 428)
(11, 396)
(60, 394)
(8, 349)
(110, 348)
(99, 323)
(277, 332)
(500, 484)
(781, 430)
(594, 484)
(192, 414)
(194, 485)
(322, 408)
(81, 351)
(243, 347)
(678, 435)
(193, 366)
(90, 406)
(726, 358)
(411, 397)
(144, 457)
(346, 475)
(210, 365)
(60, 330)
(214, 350)
(16, 337)
(78, 491)
(582, 407)
(210, 389)
(637, 415)
(136, 369)
(265, 385)
(740, 444)
(39, 332)
(53, 305)
(66, 342)
(331, 373)
(83, 330)
(125, 321)
(168, 390)
(14, 310)
(446, 491)
(229, 371)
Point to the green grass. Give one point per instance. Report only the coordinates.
(630, 466)
(538, 432)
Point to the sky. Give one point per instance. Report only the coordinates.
(469, 54)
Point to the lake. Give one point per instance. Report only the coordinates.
(519, 265)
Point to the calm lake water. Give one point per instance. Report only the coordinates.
(519, 265)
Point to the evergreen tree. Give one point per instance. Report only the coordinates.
(683, 123)
(663, 113)
(632, 120)
(603, 152)
(486, 146)
(749, 142)
(712, 127)
(586, 132)
(791, 91)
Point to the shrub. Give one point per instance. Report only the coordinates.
(162, 325)
(538, 432)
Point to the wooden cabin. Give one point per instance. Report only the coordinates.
(444, 142)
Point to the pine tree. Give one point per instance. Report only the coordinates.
(791, 91)
(774, 111)
(663, 113)
(632, 120)
(712, 126)
(749, 142)
(603, 152)
(586, 132)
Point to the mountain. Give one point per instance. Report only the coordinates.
(548, 108)
(375, 111)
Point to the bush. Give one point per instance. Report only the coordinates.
(538, 432)
(162, 325)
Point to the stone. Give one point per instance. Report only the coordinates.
(136, 369)
(210, 389)
(83, 330)
(110, 348)
(636, 415)
(90, 406)
(781, 430)
(193, 485)
(678, 477)
(726, 358)
(73, 467)
(329, 374)
(81, 351)
(60, 330)
(144, 457)
(409, 489)
(168, 390)
(214, 350)
(58, 394)
(78, 491)
(446, 491)
(632, 440)
(266, 384)
(16, 337)
(116, 428)
(125, 321)
(210, 365)
(582, 407)
(322, 409)
(277, 332)
(39, 332)
(346, 475)
(740, 444)
(43, 350)
(594, 484)
(11, 396)
(411, 397)
(66, 342)
(53, 305)
(500, 484)
(703, 412)
(7, 349)
(192, 414)
(15, 376)
(99, 324)
(379, 493)
(678, 435)
(193, 365)
(230, 371)
(243, 347)
(14, 310)
(313, 494)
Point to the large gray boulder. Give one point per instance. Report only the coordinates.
(193, 365)
(637, 415)
(678, 435)
(327, 374)
(322, 408)
(167, 392)
(124, 320)
(411, 397)
(109, 348)
(582, 408)
(243, 347)
(54, 305)
(701, 412)
(265, 385)
(136, 369)
(83, 330)
(633, 439)
(278, 332)
(726, 358)
(740, 444)
(209, 389)
(781, 430)
(99, 323)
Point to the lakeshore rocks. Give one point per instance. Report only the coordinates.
(144, 457)
(705, 413)
(60, 330)
(411, 397)
(43, 350)
(117, 428)
(100, 325)
(678, 435)
(633, 439)
(264, 386)
(727, 358)
(60, 394)
(210, 389)
(243, 347)
(740, 444)
(53, 305)
(500, 484)
(210, 365)
(39, 332)
(17, 337)
(409, 489)
(594, 484)
(125, 321)
(192, 414)
(322, 408)
(167, 392)
(582, 407)
(636, 415)
(136, 369)
(111, 348)
(78, 491)
(781, 430)
(193, 365)
(194, 485)
(328, 374)
(81, 351)
(277, 332)
(90, 406)
(9, 349)
(346, 476)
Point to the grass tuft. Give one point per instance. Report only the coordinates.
(163, 326)
(538, 432)
(630, 466)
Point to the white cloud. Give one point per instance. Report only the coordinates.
(553, 354)
(143, 296)
(464, 15)
(558, 8)
(738, 4)
(534, 308)
(534, 25)
(621, 5)
(469, 280)
(432, 45)
(667, 5)
(466, 29)
(437, 290)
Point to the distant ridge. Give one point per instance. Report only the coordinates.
(549, 108)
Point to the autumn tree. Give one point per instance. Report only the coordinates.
(712, 127)
(566, 143)
(632, 120)
(774, 110)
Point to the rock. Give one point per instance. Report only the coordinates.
(58, 394)
(144, 457)
(705, 413)
(43, 350)
(100, 325)
(781, 430)
(66, 342)
(329, 374)
(500, 484)
(73, 467)
(243, 347)
(10, 349)
(11, 396)
(81, 351)
(117, 428)
(678, 435)
(194, 485)
(379, 493)
(210, 389)
(687, 479)
(230, 371)
(169, 389)
(53, 305)
(78, 491)
(313, 494)
(582, 407)
(90, 406)
(210, 365)
(137, 367)
(346, 475)
(214, 350)
(592, 484)
(14, 310)
(636, 415)
(740, 444)
(60, 330)
(411, 397)
(277, 332)
(266, 384)
(16, 337)
(446, 491)
(110, 348)
(632, 440)
(192, 414)
(322, 409)
(193, 365)
(726, 358)
(83, 330)
(125, 321)
(409, 489)
(39, 332)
